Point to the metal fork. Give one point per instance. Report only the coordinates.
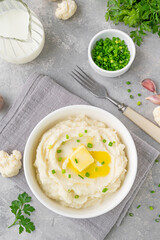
(98, 90)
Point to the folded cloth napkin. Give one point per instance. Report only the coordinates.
(40, 96)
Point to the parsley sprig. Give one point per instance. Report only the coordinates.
(20, 207)
(143, 15)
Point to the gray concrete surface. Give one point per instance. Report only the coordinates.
(66, 45)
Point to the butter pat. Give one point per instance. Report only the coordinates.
(81, 158)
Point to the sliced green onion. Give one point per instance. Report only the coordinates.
(63, 171)
(128, 82)
(129, 90)
(67, 136)
(59, 159)
(131, 214)
(139, 94)
(80, 135)
(53, 171)
(110, 144)
(78, 140)
(63, 142)
(69, 175)
(131, 96)
(85, 131)
(76, 196)
(103, 163)
(152, 191)
(80, 176)
(89, 145)
(139, 103)
(76, 160)
(87, 174)
(138, 206)
(157, 220)
(156, 161)
(151, 207)
(104, 189)
(59, 151)
(158, 185)
(104, 140)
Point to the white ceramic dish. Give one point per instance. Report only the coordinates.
(111, 33)
(95, 113)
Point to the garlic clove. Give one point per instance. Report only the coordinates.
(154, 99)
(149, 85)
(1, 102)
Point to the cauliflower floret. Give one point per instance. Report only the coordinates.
(66, 9)
(156, 114)
(10, 164)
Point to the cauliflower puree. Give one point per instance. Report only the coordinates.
(100, 174)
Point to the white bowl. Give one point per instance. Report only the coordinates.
(111, 33)
(95, 113)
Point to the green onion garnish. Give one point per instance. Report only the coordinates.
(104, 140)
(59, 159)
(89, 145)
(69, 175)
(156, 161)
(53, 171)
(63, 171)
(152, 191)
(139, 103)
(76, 160)
(104, 189)
(131, 214)
(110, 144)
(76, 196)
(157, 220)
(80, 135)
(85, 131)
(103, 163)
(78, 140)
(63, 142)
(129, 90)
(139, 94)
(59, 151)
(87, 174)
(131, 96)
(158, 185)
(67, 136)
(138, 206)
(128, 83)
(80, 176)
(151, 207)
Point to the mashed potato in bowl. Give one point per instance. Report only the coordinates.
(79, 161)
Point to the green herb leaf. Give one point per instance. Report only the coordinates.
(18, 208)
(28, 209)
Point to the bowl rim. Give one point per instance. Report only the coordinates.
(35, 191)
(107, 71)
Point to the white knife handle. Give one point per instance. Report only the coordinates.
(147, 126)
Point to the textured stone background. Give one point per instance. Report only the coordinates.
(66, 45)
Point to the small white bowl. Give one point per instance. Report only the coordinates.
(111, 33)
(49, 121)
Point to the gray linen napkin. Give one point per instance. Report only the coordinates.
(40, 96)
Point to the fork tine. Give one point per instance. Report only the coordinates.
(91, 79)
(82, 83)
(83, 80)
(84, 76)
